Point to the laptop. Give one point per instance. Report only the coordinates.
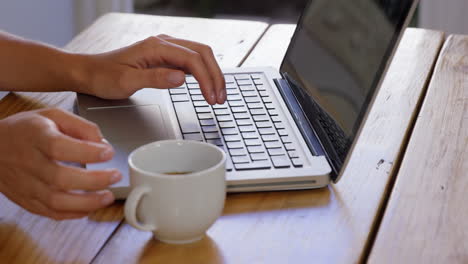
(282, 130)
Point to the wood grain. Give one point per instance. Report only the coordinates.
(27, 238)
(426, 217)
(329, 225)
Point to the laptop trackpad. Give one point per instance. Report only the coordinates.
(127, 128)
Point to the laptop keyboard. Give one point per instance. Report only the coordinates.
(247, 127)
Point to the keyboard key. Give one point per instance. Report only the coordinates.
(276, 119)
(220, 106)
(293, 154)
(244, 82)
(290, 146)
(229, 78)
(267, 100)
(193, 136)
(263, 93)
(242, 77)
(235, 145)
(200, 103)
(198, 98)
(252, 99)
(218, 142)
(238, 152)
(205, 116)
(258, 118)
(246, 88)
(258, 81)
(273, 144)
(207, 122)
(236, 97)
(187, 117)
(258, 111)
(261, 164)
(281, 161)
(230, 86)
(244, 122)
(270, 138)
(276, 152)
(241, 116)
(193, 86)
(190, 79)
(259, 156)
(255, 106)
(253, 142)
(283, 132)
(280, 125)
(267, 131)
(250, 94)
(212, 135)
(179, 98)
(203, 109)
(250, 135)
(297, 162)
(285, 139)
(273, 112)
(256, 76)
(239, 109)
(207, 129)
(177, 91)
(221, 112)
(227, 124)
(229, 131)
(261, 87)
(230, 138)
(240, 159)
(232, 92)
(250, 128)
(223, 118)
(195, 92)
(256, 149)
(236, 103)
(264, 124)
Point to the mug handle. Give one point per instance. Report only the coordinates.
(131, 205)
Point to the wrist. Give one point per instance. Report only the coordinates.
(78, 72)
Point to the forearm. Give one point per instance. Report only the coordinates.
(30, 66)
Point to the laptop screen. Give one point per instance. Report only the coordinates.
(335, 62)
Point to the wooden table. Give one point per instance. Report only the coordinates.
(337, 224)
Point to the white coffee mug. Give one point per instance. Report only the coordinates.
(178, 189)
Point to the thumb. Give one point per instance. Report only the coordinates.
(159, 78)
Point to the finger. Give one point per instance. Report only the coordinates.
(156, 78)
(59, 201)
(167, 53)
(58, 146)
(73, 125)
(210, 61)
(72, 178)
(41, 209)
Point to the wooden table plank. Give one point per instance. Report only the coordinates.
(27, 238)
(426, 217)
(329, 225)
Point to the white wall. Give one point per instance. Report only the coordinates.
(450, 16)
(50, 21)
(55, 21)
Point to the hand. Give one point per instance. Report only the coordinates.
(34, 146)
(156, 62)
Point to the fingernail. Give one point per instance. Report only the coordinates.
(115, 177)
(222, 96)
(107, 154)
(107, 198)
(105, 141)
(212, 99)
(175, 77)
